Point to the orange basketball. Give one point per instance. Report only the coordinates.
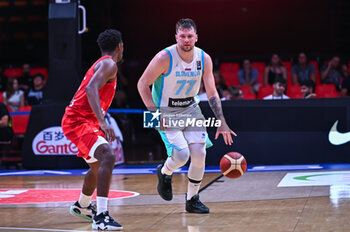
(233, 165)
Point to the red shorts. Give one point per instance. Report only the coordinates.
(83, 133)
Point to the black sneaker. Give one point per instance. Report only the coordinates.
(86, 213)
(164, 184)
(194, 205)
(104, 222)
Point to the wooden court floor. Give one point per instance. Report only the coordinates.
(255, 206)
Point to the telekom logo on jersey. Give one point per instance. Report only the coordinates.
(51, 141)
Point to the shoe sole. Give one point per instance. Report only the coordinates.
(198, 212)
(95, 227)
(159, 173)
(71, 211)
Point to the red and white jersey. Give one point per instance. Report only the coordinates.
(80, 106)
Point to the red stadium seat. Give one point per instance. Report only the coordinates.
(294, 91)
(249, 96)
(315, 64)
(288, 66)
(326, 90)
(330, 95)
(229, 71)
(247, 93)
(245, 89)
(1, 97)
(260, 67)
(20, 122)
(13, 72)
(43, 71)
(295, 95)
(264, 91)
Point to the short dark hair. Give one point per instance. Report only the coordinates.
(39, 75)
(242, 64)
(186, 23)
(304, 54)
(281, 80)
(109, 40)
(234, 91)
(308, 83)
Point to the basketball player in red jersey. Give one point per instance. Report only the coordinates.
(83, 123)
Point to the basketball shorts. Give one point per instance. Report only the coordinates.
(85, 135)
(179, 137)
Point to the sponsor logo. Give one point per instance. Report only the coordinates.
(337, 138)
(30, 196)
(180, 102)
(151, 119)
(199, 65)
(51, 141)
(191, 122)
(315, 178)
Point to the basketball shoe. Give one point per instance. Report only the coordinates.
(194, 205)
(164, 184)
(104, 222)
(86, 213)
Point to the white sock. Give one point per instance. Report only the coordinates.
(84, 200)
(192, 189)
(101, 204)
(165, 170)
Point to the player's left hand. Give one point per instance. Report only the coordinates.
(109, 132)
(226, 133)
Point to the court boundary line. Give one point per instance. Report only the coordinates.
(151, 169)
(34, 203)
(40, 229)
(210, 183)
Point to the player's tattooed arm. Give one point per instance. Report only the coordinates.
(214, 101)
(215, 105)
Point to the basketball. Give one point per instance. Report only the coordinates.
(233, 165)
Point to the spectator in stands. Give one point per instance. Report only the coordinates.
(331, 73)
(344, 70)
(13, 96)
(307, 89)
(233, 93)
(274, 70)
(303, 70)
(6, 131)
(26, 80)
(248, 76)
(3, 80)
(345, 87)
(36, 93)
(219, 82)
(279, 86)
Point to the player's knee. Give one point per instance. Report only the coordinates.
(198, 155)
(104, 153)
(181, 156)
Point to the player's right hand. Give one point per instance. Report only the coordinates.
(226, 133)
(109, 132)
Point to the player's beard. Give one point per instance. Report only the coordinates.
(279, 92)
(183, 48)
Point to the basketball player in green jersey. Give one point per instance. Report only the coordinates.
(176, 73)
